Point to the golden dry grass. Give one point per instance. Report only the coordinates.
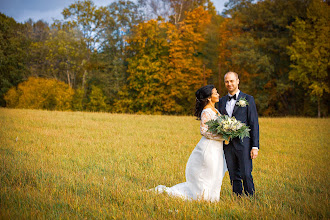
(98, 165)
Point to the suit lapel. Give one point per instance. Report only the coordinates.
(224, 105)
(240, 95)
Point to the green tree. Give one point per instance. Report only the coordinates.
(13, 54)
(66, 55)
(90, 20)
(259, 52)
(78, 100)
(111, 62)
(62, 56)
(310, 51)
(96, 100)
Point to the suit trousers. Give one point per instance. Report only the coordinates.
(239, 165)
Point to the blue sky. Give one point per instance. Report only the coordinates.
(22, 10)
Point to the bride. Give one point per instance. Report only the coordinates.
(206, 165)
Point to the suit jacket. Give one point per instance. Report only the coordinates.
(247, 115)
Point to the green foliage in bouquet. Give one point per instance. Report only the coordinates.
(228, 127)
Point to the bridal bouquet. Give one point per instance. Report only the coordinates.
(228, 127)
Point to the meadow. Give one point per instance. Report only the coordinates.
(98, 166)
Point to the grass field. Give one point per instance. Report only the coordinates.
(98, 165)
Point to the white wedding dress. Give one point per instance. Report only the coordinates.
(205, 168)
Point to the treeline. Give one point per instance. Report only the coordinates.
(151, 56)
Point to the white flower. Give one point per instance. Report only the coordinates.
(242, 102)
(239, 126)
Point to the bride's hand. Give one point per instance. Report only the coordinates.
(227, 142)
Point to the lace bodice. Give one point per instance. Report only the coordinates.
(208, 114)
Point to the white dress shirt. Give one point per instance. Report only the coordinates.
(231, 104)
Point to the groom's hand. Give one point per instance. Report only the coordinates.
(254, 153)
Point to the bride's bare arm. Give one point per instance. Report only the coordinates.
(206, 116)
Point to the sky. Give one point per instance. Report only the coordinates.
(47, 10)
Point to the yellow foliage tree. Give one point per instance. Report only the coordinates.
(40, 93)
(146, 69)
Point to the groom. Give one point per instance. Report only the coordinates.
(238, 153)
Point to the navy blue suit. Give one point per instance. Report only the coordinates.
(237, 152)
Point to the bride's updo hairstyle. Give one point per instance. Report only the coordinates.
(202, 95)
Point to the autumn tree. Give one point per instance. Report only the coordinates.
(186, 69)
(310, 51)
(226, 31)
(39, 93)
(166, 67)
(146, 69)
(180, 8)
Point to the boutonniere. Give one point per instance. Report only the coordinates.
(242, 102)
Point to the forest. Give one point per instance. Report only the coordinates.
(150, 56)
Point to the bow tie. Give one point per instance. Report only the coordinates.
(232, 97)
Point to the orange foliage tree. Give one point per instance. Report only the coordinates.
(186, 71)
(166, 68)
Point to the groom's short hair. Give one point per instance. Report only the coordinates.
(230, 72)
